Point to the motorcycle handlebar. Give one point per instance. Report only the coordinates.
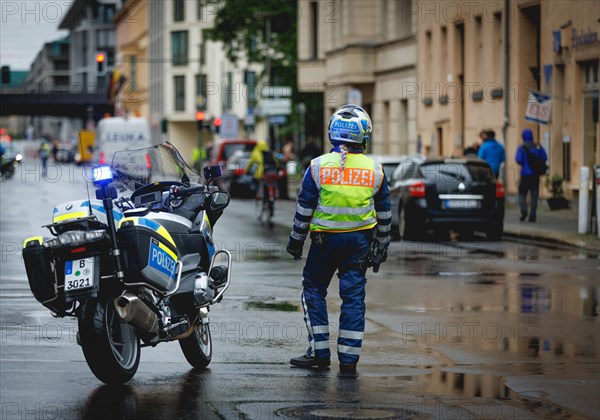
(178, 192)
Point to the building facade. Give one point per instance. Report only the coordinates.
(196, 75)
(478, 63)
(363, 52)
(49, 72)
(131, 73)
(92, 30)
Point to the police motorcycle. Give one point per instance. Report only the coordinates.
(138, 265)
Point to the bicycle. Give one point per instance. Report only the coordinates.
(269, 184)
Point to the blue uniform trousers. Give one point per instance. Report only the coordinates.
(342, 252)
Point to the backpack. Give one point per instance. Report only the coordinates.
(536, 163)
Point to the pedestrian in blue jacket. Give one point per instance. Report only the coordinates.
(492, 152)
(529, 155)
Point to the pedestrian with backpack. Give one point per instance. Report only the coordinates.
(532, 159)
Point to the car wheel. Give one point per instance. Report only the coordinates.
(410, 229)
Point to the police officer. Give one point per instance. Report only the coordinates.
(344, 202)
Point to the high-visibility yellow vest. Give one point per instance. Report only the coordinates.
(345, 198)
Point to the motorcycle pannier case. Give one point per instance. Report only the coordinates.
(42, 281)
(149, 252)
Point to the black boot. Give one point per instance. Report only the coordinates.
(307, 361)
(350, 368)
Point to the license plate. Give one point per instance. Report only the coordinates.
(79, 274)
(462, 204)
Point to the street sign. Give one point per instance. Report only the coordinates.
(270, 107)
(276, 91)
(229, 126)
(277, 119)
(354, 97)
(250, 119)
(539, 108)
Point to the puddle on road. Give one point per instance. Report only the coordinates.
(272, 306)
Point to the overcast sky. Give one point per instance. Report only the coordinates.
(25, 26)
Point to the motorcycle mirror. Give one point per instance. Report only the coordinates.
(219, 200)
(212, 172)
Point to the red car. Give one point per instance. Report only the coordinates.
(224, 149)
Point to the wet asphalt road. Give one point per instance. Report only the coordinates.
(461, 329)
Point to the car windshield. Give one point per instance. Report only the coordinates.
(456, 171)
(231, 148)
(133, 169)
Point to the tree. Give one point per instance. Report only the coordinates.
(242, 26)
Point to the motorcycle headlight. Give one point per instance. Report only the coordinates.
(76, 237)
(19, 157)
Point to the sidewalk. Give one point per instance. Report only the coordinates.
(554, 226)
(559, 226)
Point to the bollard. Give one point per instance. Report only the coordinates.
(584, 177)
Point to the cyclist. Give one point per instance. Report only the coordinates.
(264, 167)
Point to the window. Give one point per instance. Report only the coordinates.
(203, 46)
(179, 48)
(84, 48)
(201, 85)
(105, 39)
(105, 13)
(178, 10)
(479, 50)
(179, 91)
(314, 22)
(133, 68)
(590, 75)
(429, 57)
(444, 49)
(499, 56)
(229, 92)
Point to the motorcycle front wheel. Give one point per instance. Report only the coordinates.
(111, 347)
(197, 347)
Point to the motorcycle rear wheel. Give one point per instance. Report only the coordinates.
(111, 347)
(197, 348)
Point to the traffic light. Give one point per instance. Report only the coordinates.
(5, 75)
(100, 63)
(200, 119)
(217, 124)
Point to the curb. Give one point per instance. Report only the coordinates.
(550, 239)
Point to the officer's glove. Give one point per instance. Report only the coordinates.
(378, 254)
(294, 248)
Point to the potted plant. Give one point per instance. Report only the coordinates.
(554, 186)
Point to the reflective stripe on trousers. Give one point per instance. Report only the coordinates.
(341, 251)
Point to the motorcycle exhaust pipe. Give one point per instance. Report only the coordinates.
(132, 310)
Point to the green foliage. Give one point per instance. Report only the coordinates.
(554, 185)
(241, 25)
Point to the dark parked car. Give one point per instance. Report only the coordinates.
(65, 153)
(446, 194)
(235, 179)
(388, 163)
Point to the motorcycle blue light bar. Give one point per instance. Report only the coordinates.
(102, 175)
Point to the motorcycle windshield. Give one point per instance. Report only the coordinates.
(132, 169)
